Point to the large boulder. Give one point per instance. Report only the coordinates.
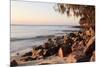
(60, 53)
(64, 50)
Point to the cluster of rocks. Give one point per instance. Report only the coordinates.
(76, 47)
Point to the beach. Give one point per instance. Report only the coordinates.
(59, 47)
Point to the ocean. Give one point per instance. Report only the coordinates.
(24, 37)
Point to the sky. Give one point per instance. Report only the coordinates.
(39, 13)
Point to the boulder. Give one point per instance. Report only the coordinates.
(13, 63)
(27, 54)
(48, 52)
(64, 50)
(60, 53)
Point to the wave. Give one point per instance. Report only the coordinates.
(30, 38)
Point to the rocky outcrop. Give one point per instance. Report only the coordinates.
(74, 47)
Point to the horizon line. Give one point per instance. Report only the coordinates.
(41, 25)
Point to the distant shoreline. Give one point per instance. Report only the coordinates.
(71, 26)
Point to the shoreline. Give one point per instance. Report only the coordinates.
(41, 41)
(57, 50)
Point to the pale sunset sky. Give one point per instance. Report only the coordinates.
(38, 13)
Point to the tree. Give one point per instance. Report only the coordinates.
(86, 12)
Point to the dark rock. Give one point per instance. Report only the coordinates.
(65, 50)
(30, 58)
(72, 35)
(78, 51)
(25, 59)
(51, 51)
(46, 45)
(48, 52)
(13, 63)
(27, 54)
(17, 54)
(39, 47)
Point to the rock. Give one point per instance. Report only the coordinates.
(60, 53)
(71, 59)
(40, 57)
(37, 48)
(77, 51)
(54, 50)
(27, 54)
(72, 35)
(17, 53)
(90, 47)
(88, 51)
(78, 46)
(88, 33)
(13, 63)
(65, 49)
(58, 40)
(46, 45)
(65, 39)
(92, 32)
(49, 43)
(48, 52)
(30, 58)
(90, 42)
(92, 57)
(25, 59)
(37, 53)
